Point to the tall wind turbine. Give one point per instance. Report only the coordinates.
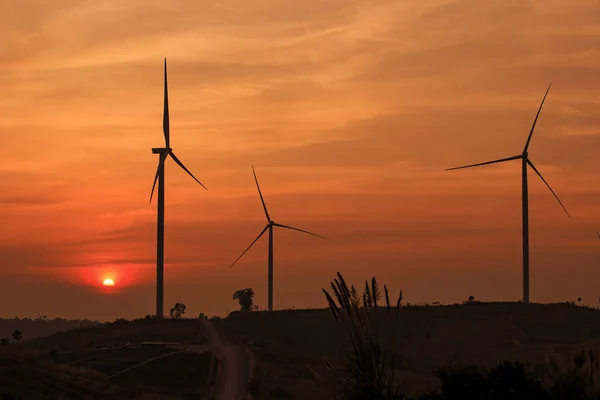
(163, 152)
(269, 227)
(525, 161)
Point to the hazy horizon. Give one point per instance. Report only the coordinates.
(349, 112)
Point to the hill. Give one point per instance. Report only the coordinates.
(118, 333)
(110, 361)
(34, 328)
(292, 348)
(289, 345)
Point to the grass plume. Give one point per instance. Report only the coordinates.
(369, 368)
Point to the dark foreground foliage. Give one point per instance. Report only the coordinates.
(369, 368)
(511, 381)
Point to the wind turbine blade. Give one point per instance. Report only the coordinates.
(542, 178)
(485, 163)
(251, 244)
(161, 161)
(174, 157)
(299, 230)
(166, 130)
(260, 194)
(597, 233)
(154, 184)
(536, 118)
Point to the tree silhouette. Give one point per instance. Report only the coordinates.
(471, 299)
(17, 335)
(246, 298)
(4, 341)
(177, 311)
(579, 300)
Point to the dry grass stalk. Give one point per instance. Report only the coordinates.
(370, 369)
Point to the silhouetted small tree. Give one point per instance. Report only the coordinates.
(579, 301)
(471, 299)
(177, 311)
(202, 316)
(17, 336)
(4, 341)
(246, 298)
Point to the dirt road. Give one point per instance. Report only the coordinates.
(233, 380)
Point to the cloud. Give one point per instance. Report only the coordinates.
(416, 138)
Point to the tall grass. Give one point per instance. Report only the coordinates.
(369, 368)
(576, 374)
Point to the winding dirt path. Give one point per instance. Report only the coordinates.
(233, 378)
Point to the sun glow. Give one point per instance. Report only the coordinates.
(108, 282)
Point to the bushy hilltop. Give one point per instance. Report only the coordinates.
(38, 327)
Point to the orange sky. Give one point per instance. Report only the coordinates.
(349, 111)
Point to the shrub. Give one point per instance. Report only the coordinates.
(506, 380)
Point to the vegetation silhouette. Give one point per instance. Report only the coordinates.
(572, 377)
(368, 367)
(17, 336)
(245, 298)
(177, 311)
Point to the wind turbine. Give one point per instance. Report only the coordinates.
(163, 152)
(598, 233)
(269, 227)
(525, 161)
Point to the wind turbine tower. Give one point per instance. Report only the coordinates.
(525, 161)
(163, 153)
(270, 225)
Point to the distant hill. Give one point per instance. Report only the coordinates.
(84, 361)
(35, 328)
(110, 334)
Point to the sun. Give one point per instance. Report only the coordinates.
(108, 282)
